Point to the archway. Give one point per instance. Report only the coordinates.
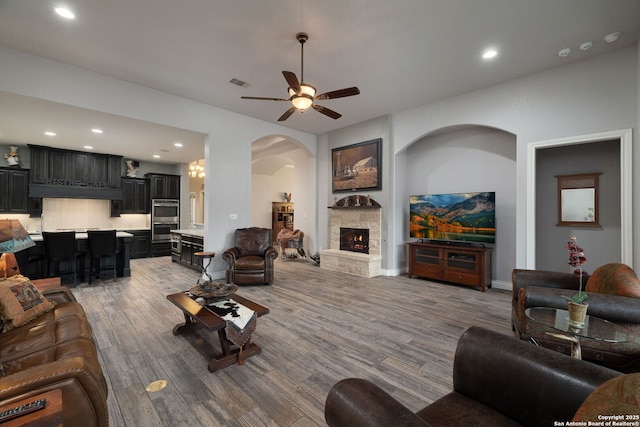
(282, 165)
(461, 159)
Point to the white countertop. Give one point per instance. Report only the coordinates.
(198, 232)
(37, 237)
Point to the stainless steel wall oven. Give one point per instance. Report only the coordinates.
(165, 216)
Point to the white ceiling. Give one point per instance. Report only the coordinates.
(400, 54)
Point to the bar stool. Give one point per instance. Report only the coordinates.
(61, 246)
(205, 276)
(103, 244)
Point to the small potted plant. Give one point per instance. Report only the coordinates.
(577, 306)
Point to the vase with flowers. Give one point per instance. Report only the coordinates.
(577, 306)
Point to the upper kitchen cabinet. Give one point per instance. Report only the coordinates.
(74, 174)
(14, 190)
(164, 186)
(135, 196)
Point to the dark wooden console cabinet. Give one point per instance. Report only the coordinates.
(464, 265)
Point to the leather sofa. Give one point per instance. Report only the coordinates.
(250, 260)
(537, 288)
(56, 350)
(497, 381)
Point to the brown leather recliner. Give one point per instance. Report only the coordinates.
(497, 381)
(250, 261)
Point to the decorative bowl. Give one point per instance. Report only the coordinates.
(213, 290)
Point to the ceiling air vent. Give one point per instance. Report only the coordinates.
(238, 82)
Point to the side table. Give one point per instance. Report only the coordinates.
(594, 329)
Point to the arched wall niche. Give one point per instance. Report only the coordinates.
(459, 159)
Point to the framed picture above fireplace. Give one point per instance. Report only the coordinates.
(357, 167)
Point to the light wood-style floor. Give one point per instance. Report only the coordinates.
(400, 333)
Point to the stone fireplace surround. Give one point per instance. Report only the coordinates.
(347, 215)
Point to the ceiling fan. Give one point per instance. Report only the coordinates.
(302, 95)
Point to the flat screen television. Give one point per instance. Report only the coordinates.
(457, 217)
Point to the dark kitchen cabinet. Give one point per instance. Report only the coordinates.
(135, 196)
(74, 174)
(35, 207)
(163, 186)
(160, 249)
(188, 247)
(14, 190)
(140, 243)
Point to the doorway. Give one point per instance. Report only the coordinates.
(626, 220)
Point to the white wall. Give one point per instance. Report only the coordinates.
(227, 146)
(266, 189)
(595, 95)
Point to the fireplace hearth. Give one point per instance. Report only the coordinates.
(354, 239)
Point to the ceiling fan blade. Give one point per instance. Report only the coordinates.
(340, 93)
(326, 111)
(292, 80)
(264, 99)
(286, 114)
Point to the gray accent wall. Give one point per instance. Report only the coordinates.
(601, 244)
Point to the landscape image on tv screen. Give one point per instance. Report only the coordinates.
(466, 217)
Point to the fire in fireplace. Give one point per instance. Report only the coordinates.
(354, 239)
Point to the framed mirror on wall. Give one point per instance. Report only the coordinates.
(578, 200)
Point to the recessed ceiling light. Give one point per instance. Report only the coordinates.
(178, 144)
(88, 147)
(49, 133)
(157, 156)
(490, 53)
(96, 130)
(564, 52)
(610, 38)
(65, 13)
(586, 45)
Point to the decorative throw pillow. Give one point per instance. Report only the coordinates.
(618, 398)
(20, 302)
(614, 279)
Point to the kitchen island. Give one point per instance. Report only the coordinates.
(33, 261)
(184, 244)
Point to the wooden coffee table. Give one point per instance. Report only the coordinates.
(199, 317)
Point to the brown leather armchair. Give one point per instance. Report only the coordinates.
(497, 381)
(250, 261)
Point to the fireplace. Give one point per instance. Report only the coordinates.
(355, 244)
(354, 239)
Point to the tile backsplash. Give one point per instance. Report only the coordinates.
(80, 214)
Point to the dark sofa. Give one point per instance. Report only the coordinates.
(56, 350)
(538, 288)
(497, 381)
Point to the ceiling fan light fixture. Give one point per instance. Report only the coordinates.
(302, 102)
(304, 99)
(303, 95)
